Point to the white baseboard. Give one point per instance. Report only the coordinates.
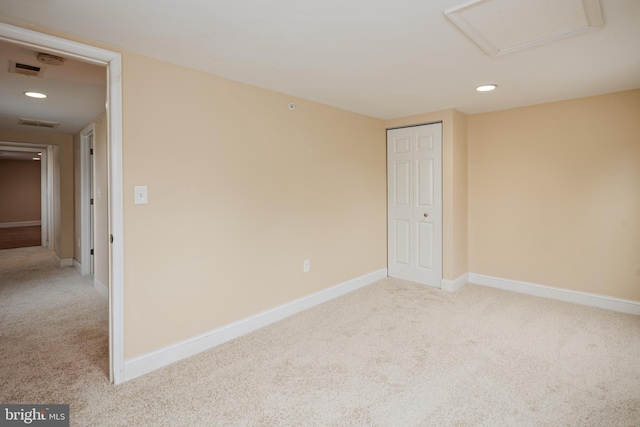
(64, 262)
(454, 285)
(583, 298)
(19, 224)
(78, 266)
(101, 288)
(141, 365)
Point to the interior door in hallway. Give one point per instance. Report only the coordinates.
(90, 226)
(414, 203)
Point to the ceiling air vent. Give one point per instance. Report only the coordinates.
(26, 69)
(38, 123)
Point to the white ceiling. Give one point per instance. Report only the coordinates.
(76, 92)
(383, 58)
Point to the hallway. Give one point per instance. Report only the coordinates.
(53, 329)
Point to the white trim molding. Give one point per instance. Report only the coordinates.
(582, 298)
(19, 224)
(77, 265)
(101, 288)
(141, 365)
(454, 285)
(116, 217)
(86, 179)
(64, 262)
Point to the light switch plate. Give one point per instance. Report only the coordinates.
(141, 197)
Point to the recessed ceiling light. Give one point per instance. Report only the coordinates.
(39, 154)
(35, 95)
(36, 158)
(486, 88)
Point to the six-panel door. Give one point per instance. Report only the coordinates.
(414, 174)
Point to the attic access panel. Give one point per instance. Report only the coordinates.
(500, 27)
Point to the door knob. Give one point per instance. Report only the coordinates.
(426, 215)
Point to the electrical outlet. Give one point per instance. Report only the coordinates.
(306, 266)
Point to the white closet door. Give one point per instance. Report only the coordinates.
(414, 173)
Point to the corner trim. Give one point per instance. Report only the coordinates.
(454, 285)
(77, 265)
(64, 262)
(101, 288)
(582, 298)
(146, 363)
(19, 224)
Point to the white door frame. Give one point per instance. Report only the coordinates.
(113, 62)
(45, 189)
(54, 195)
(85, 199)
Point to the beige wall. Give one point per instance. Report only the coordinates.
(554, 194)
(241, 191)
(454, 186)
(65, 233)
(19, 190)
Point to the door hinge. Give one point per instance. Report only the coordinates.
(91, 251)
(91, 151)
(111, 238)
(91, 201)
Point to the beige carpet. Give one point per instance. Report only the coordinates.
(391, 354)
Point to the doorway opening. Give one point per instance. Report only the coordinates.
(113, 63)
(23, 152)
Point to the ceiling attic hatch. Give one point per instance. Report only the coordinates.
(26, 69)
(500, 27)
(38, 123)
